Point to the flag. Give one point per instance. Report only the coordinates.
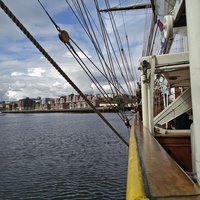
(160, 25)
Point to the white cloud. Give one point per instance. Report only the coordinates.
(23, 69)
(80, 54)
(55, 84)
(17, 74)
(38, 72)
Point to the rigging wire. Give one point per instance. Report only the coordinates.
(107, 48)
(148, 35)
(85, 21)
(111, 68)
(129, 53)
(124, 118)
(87, 71)
(86, 28)
(106, 40)
(132, 78)
(56, 66)
(83, 65)
(100, 88)
(95, 43)
(104, 91)
(123, 56)
(108, 45)
(57, 27)
(88, 17)
(155, 35)
(145, 35)
(121, 49)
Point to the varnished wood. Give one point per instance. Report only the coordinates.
(178, 146)
(179, 198)
(163, 177)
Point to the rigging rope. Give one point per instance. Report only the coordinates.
(121, 52)
(108, 42)
(133, 77)
(85, 19)
(48, 57)
(93, 38)
(65, 39)
(86, 23)
(100, 88)
(57, 27)
(86, 28)
(82, 64)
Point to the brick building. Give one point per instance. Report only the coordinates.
(25, 104)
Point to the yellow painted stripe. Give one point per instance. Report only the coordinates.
(135, 186)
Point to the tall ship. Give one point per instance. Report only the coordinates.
(162, 86)
(166, 139)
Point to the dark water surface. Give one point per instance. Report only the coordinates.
(61, 156)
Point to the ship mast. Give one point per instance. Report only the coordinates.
(130, 7)
(138, 7)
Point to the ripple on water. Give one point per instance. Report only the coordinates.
(61, 156)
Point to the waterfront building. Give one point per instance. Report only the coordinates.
(2, 105)
(46, 100)
(25, 104)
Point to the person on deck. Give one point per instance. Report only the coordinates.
(183, 121)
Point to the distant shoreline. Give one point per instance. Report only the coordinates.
(106, 110)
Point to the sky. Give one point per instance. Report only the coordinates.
(24, 72)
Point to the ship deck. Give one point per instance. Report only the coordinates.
(162, 177)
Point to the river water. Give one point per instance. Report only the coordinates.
(62, 156)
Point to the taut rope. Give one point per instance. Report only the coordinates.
(55, 65)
